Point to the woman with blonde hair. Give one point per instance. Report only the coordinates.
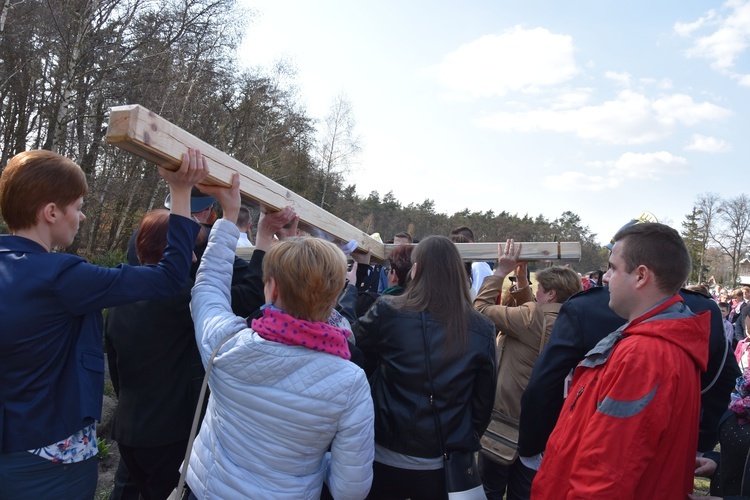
(432, 324)
(283, 391)
(524, 326)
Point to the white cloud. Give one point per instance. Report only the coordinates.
(571, 98)
(648, 165)
(708, 144)
(728, 40)
(687, 29)
(628, 167)
(629, 118)
(518, 60)
(576, 181)
(622, 79)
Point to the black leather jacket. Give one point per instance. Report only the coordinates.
(464, 387)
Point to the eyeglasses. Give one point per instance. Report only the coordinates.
(387, 269)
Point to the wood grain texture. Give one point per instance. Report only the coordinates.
(137, 130)
(530, 251)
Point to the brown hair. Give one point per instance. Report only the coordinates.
(701, 289)
(400, 262)
(310, 273)
(404, 235)
(464, 231)
(460, 238)
(151, 239)
(563, 280)
(35, 178)
(243, 217)
(439, 287)
(661, 249)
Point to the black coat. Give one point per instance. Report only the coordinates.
(464, 388)
(583, 321)
(156, 370)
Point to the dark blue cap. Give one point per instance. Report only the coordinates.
(198, 201)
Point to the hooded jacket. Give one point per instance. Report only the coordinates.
(629, 426)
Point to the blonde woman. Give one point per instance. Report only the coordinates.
(283, 391)
(524, 328)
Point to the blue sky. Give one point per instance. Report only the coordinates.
(604, 108)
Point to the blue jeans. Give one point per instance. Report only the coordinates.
(24, 475)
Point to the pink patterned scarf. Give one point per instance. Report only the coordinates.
(278, 326)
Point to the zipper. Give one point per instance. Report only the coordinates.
(580, 391)
(578, 395)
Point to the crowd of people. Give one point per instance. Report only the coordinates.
(374, 381)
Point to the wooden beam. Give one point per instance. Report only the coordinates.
(137, 130)
(530, 251)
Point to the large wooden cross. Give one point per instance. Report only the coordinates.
(146, 134)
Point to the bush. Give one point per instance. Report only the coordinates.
(109, 259)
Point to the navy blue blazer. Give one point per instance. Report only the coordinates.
(51, 359)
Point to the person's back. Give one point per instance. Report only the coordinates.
(156, 372)
(524, 328)
(427, 341)
(282, 391)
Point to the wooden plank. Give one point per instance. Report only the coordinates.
(137, 130)
(530, 251)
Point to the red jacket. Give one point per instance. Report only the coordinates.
(629, 427)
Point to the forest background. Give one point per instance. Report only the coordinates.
(65, 63)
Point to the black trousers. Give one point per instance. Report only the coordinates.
(156, 471)
(392, 483)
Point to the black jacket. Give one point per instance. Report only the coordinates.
(464, 388)
(156, 370)
(583, 321)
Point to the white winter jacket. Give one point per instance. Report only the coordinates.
(274, 409)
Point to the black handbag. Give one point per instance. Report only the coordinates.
(462, 480)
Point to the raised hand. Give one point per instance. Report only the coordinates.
(192, 171)
(507, 257)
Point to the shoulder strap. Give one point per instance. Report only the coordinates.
(721, 368)
(544, 331)
(197, 416)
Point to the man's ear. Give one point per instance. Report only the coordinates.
(553, 295)
(644, 276)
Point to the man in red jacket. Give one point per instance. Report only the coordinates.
(629, 427)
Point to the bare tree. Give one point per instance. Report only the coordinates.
(339, 146)
(735, 216)
(706, 207)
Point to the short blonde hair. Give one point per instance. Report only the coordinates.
(562, 280)
(310, 274)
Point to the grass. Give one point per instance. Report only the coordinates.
(103, 447)
(109, 389)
